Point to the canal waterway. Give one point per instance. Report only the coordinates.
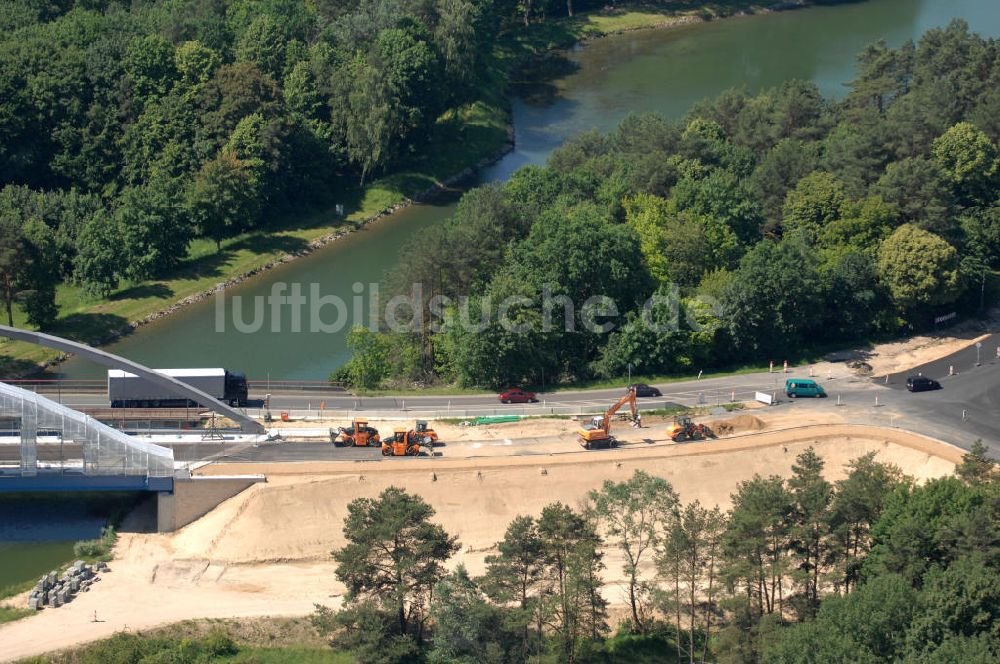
(664, 71)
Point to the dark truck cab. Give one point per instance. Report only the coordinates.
(237, 389)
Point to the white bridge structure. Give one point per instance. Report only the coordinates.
(246, 423)
(91, 448)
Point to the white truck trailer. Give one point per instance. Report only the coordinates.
(126, 390)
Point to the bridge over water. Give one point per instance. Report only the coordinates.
(61, 449)
(81, 453)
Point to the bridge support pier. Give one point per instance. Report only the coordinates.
(194, 497)
(29, 438)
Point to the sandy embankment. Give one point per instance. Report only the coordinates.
(266, 551)
(296, 515)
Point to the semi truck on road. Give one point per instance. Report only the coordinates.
(127, 390)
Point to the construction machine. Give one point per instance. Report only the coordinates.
(596, 434)
(359, 434)
(423, 429)
(405, 442)
(684, 428)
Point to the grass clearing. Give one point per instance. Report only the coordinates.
(646, 16)
(265, 640)
(607, 21)
(10, 614)
(16, 589)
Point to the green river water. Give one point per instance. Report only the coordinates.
(664, 71)
(37, 533)
(27, 561)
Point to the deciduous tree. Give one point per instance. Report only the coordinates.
(11, 243)
(221, 200)
(969, 160)
(919, 268)
(635, 514)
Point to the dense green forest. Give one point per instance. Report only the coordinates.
(767, 223)
(129, 128)
(870, 568)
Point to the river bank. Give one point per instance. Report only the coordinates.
(105, 321)
(19, 359)
(41, 532)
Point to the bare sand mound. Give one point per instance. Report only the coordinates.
(266, 551)
(738, 424)
(297, 515)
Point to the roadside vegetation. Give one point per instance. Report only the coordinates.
(10, 614)
(872, 567)
(97, 550)
(763, 224)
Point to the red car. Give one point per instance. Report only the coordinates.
(517, 396)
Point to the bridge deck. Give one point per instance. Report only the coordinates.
(63, 481)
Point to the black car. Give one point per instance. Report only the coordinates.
(921, 384)
(644, 390)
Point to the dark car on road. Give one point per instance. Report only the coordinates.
(642, 390)
(921, 384)
(517, 396)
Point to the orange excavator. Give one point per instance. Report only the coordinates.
(359, 434)
(596, 434)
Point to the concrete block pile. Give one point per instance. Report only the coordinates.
(54, 589)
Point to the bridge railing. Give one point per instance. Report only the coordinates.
(106, 451)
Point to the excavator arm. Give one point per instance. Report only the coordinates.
(599, 432)
(629, 399)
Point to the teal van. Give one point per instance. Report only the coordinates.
(803, 387)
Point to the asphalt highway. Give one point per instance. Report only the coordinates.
(707, 390)
(967, 407)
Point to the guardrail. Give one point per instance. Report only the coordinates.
(264, 386)
(54, 385)
(527, 410)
